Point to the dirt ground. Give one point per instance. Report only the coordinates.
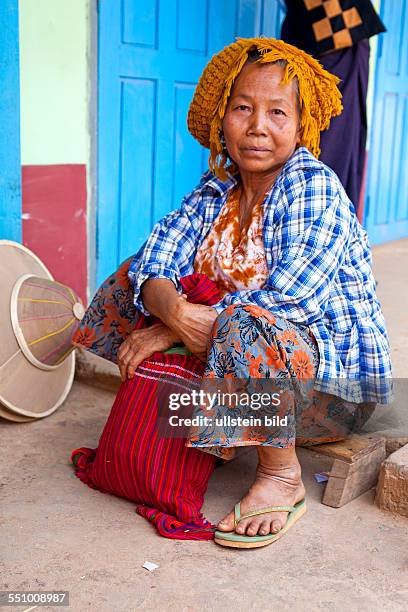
(58, 534)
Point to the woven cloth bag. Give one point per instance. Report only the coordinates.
(165, 478)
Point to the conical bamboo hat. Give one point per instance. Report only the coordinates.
(38, 317)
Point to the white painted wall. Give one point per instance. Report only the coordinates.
(55, 83)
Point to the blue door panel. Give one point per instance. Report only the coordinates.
(109, 121)
(386, 210)
(163, 161)
(151, 56)
(190, 160)
(139, 22)
(249, 16)
(402, 195)
(386, 162)
(10, 167)
(136, 160)
(394, 14)
(192, 34)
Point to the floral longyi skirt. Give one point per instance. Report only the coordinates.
(253, 354)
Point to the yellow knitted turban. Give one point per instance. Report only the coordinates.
(320, 99)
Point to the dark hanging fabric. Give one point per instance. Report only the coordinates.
(322, 26)
(343, 144)
(344, 52)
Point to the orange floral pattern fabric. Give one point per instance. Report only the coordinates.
(254, 352)
(234, 259)
(110, 317)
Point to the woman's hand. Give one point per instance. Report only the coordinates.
(193, 323)
(142, 343)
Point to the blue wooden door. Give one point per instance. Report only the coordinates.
(151, 55)
(10, 169)
(386, 206)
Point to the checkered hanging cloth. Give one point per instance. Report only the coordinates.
(321, 26)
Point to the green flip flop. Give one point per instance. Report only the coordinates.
(235, 540)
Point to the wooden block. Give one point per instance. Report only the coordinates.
(356, 465)
(349, 479)
(351, 449)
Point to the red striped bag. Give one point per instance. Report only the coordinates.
(165, 478)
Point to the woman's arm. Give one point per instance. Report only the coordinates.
(180, 322)
(161, 298)
(170, 249)
(165, 257)
(192, 323)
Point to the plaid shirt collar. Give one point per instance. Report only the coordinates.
(301, 159)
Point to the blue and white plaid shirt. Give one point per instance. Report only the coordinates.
(319, 262)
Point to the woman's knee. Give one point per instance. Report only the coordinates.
(242, 311)
(230, 318)
(234, 315)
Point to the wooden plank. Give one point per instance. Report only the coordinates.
(349, 479)
(351, 449)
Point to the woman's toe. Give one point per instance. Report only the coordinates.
(227, 523)
(241, 528)
(264, 528)
(253, 528)
(276, 526)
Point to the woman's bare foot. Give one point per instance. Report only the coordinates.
(277, 483)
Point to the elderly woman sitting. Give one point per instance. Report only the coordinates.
(273, 228)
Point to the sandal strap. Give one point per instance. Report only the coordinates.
(266, 510)
(237, 513)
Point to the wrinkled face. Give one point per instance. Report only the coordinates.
(261, 121)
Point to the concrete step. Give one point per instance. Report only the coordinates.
(392, 487)
(96, 371)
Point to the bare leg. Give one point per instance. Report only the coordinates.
(277, 482)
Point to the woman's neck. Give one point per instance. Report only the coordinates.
(255, 185)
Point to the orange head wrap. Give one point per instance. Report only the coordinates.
(320, 98)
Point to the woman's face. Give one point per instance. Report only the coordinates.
(261, 121)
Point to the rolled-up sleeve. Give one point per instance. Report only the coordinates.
(308, 248)
(170, 248)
